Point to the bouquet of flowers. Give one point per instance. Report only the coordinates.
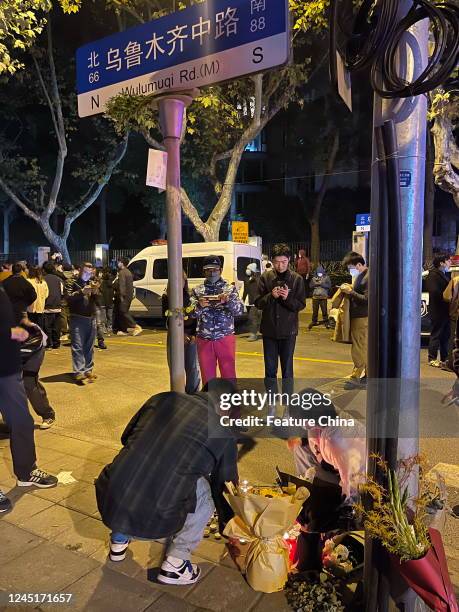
(262, 517)
(399, 522)
(313, 593)
(343, 555)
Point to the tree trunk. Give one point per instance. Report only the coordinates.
(429, 200)
(103, 216)
(6, 229)
(314, 217)
(162, 224)
(57, 241)
(315, 241)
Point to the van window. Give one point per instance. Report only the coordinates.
(242, 263)
(195, 266)
(138, 269)
(160, 268)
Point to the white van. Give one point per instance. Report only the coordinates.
(149, 269)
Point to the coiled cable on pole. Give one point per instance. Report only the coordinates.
(444, 23)
(376, 34)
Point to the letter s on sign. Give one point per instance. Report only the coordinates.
(257, 55)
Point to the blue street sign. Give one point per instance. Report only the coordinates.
(209, 42)
(405, 178)
(363, 220)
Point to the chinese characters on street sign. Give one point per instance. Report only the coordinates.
(208, 43)
(363, 222)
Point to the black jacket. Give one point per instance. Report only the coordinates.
(280, 317)
(435, 283)
(358, 307)
(10, 355)
(78, 303)
(107, 291)
(55, 287)
(150, 487)
(21, 294)
(124, 286)
(251, 288)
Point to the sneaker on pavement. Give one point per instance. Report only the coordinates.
(90, 376)
(65, 337)
(118, 550)
(39, 478)
(252, 338)
(435, 363)
(121, 333)
(101, 345)
(47, 423)
(178, 571)
(81, 379)
(5, 503)
(137, 330)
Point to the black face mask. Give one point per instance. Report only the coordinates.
(213, 277)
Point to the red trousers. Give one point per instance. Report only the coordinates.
(222, 351)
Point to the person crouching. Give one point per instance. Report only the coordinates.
(165, 481)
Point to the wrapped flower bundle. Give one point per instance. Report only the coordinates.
(262, 516)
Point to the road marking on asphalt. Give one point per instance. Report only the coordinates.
(251, 354)
(449, 471)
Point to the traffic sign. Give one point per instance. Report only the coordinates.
(363, 219)
(240, 231)
(207, 43)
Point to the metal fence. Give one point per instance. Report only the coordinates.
(330, 250)
(78, 257)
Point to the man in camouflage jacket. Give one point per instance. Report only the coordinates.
(216, 303)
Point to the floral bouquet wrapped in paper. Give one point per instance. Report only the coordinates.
(343, 555)
(262, 517)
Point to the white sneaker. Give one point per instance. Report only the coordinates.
(121, 333)
(118, 551)
(435, 363)
(178, 571)
(137, 330)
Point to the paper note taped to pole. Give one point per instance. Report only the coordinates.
(157, 169)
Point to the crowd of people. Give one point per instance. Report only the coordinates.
(42, 306)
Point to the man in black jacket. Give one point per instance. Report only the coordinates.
(435, 283)
(81, 298)
(13, 405)
(53, 305)
(166, 479)
(281, 296)
(124, 290)
(357, 294)
(20, 291)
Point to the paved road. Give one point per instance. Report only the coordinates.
(133, 369)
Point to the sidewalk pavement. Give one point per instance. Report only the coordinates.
(53, 541)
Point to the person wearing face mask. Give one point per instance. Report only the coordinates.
(357, 293)
(280, 298)
(123, 286)
(215, 305)
(320, 285)
(435, 283)
(250, 292)
(80, 294)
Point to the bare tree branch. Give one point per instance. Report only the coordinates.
(152, 141)
(94, 191)
(445, 150)
(30, 213)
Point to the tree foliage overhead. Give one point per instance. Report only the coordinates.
(21, 21)
(225, 118)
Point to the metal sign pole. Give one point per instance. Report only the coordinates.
(171, 110)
